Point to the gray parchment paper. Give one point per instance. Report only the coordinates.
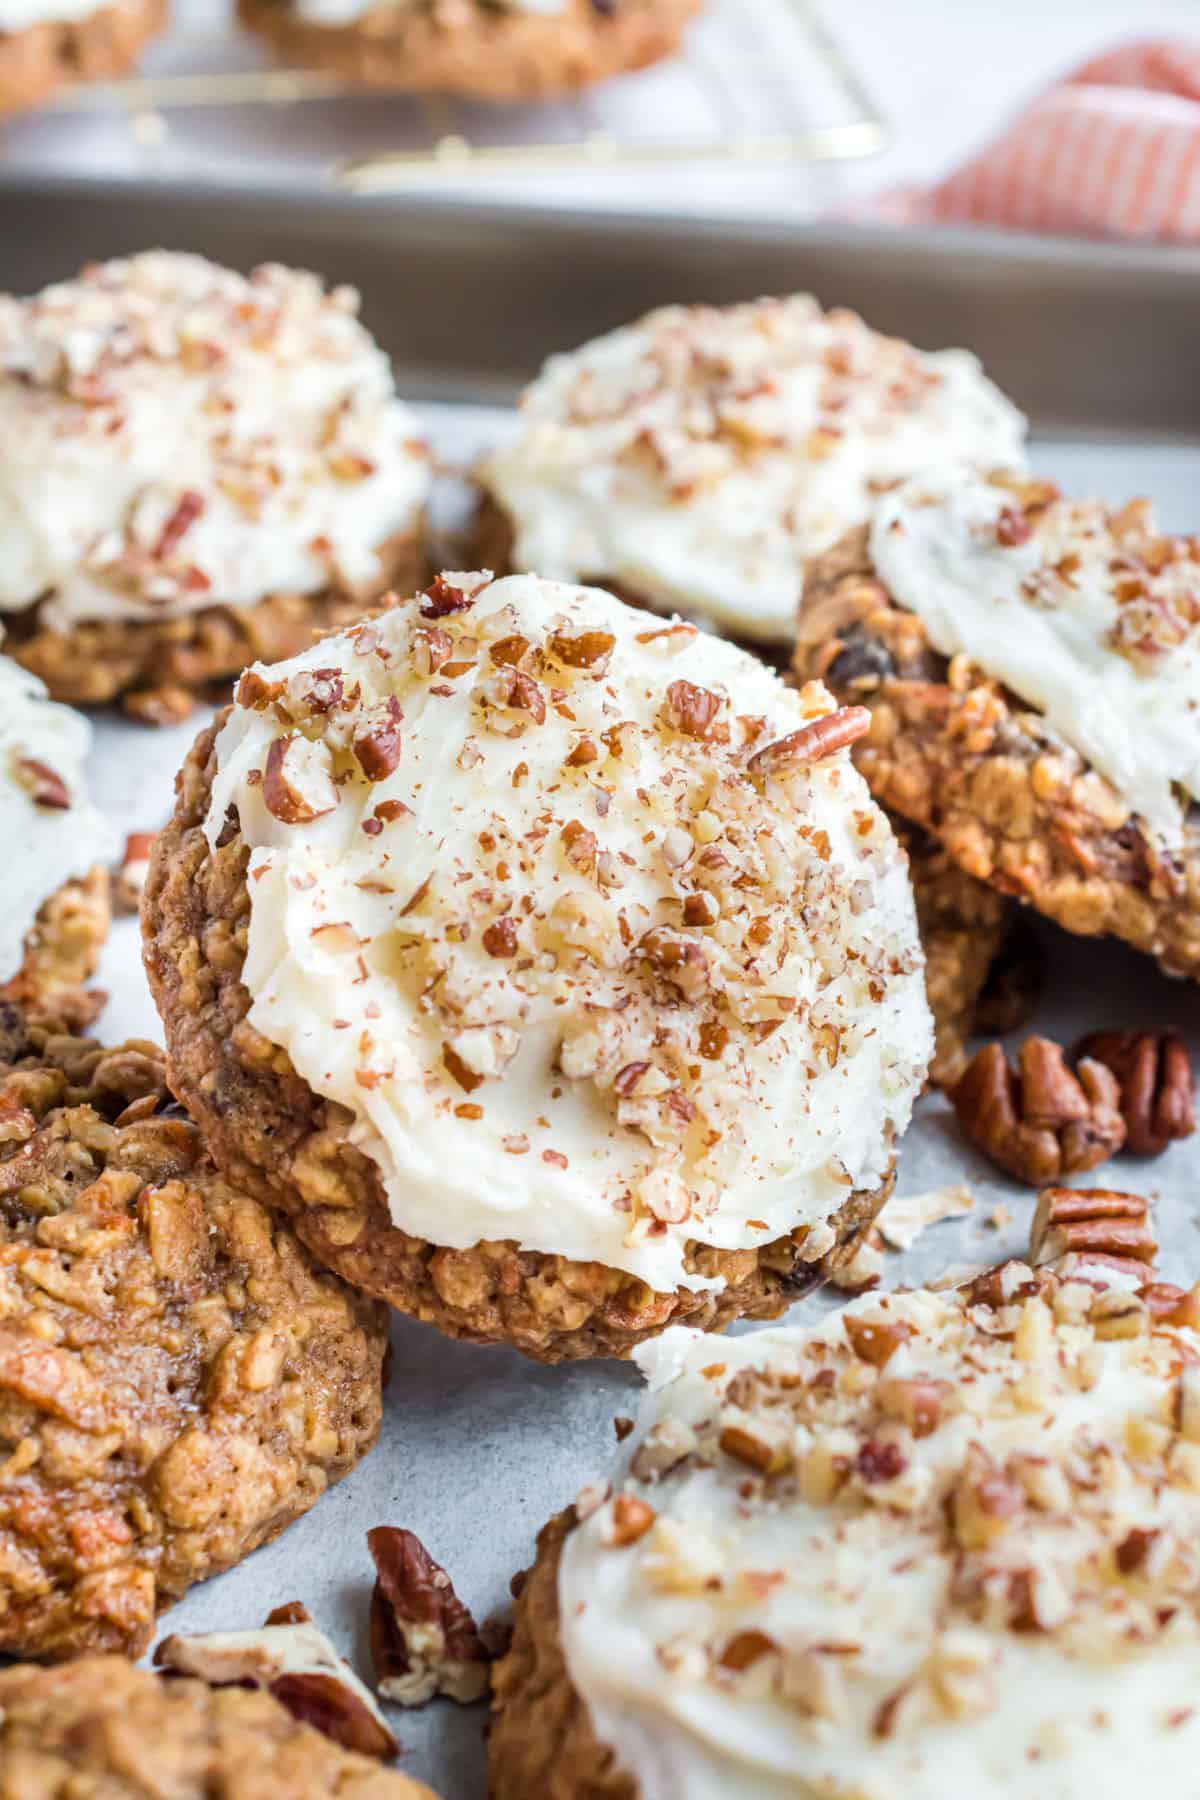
(479, 1446)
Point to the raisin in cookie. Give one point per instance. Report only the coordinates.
(54, 891)
(196, 469)
(101, 1729)
(549, 965)
(694, 460)
(937, 1543)
(492, 49)
(1032, 667)
(177, 1381)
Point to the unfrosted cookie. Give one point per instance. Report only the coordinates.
(925, 1547)
(549, 964)
(493, 49)
(196, 469)
(696, 459)
(177, 1381)
(1032, 666)
(48, 45)
(54, 891)
(101, 1729)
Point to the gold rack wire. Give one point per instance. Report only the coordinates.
(744, 78)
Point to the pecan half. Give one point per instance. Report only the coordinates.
(1086, 1221)
(1042, 1122)
(812, 742)
(294, 1661)
(423, 1639)
(1158, 1089)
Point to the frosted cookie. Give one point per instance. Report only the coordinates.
(549, 964)
(177, 1381)
(54, 891)
(696, 459)
(964, 926)
(1032, 665)
(104, 1730)
(491, 49)
(196, 469)
(48, 45)
(925, 1547)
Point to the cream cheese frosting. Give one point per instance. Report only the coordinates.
(700, 456)
(1087, 613)
(175, 436)
(49, 830)
(923, 1548)
(598, 957)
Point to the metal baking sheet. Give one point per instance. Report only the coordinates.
(754, 81)
(479, 1446)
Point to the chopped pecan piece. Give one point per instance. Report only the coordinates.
(297, 785)
(294, 1661)
(442, 598)
(130, 877)
(1158, 1089)
(1091, 1220)
(40, 782)
(423, 1639)
(876, 1341)
(691, 710)
(1043, 1122)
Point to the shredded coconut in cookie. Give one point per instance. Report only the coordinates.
(698, 457)
(175, 436)
(922, 1548)
(570, 910)
(1087, 613)
(49, 830)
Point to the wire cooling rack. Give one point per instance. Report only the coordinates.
(758, 82)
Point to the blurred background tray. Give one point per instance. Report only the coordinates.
(757, 82)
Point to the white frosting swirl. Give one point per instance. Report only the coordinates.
(175, 436)
(973, 1571)
(699, 457)
(49, 831)
(1087, 614)
(582, 977)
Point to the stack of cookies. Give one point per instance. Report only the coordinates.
(554, 952)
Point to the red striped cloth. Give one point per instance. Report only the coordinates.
(1113, 151)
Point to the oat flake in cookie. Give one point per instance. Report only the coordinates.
(551, 964)
(196, 468)
(54, 898)
(1033, 667)
(492, 49)
(922, 1548)
(177, 1380)
(694, 460)
(101, 1729)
